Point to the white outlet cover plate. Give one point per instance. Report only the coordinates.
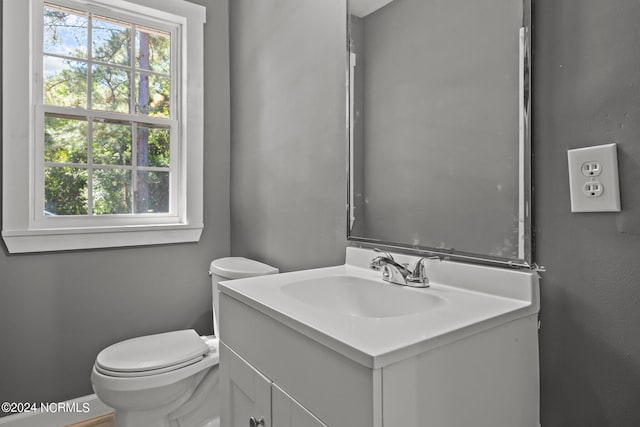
(606, 156)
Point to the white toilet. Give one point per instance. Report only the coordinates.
(169, 379)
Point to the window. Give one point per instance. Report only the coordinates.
(106, 148)
(106, 111)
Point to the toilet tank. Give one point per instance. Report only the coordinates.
(230, 268)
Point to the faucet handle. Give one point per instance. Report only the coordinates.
(419, 275)
(384, 253)
(377, 263)
(419, 271)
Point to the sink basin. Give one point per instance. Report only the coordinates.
(360, 297)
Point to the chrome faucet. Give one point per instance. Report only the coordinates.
(398, 274)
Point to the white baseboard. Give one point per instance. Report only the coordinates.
(59, 415)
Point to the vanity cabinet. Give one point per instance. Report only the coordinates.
(289, 413)
(335, 389)
(331, 347)
(251, 399)
(246, 393)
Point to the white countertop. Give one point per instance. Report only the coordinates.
(475, 298)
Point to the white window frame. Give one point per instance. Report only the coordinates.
(24, 228)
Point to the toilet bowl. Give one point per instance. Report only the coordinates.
(169, 379)
(147, 381)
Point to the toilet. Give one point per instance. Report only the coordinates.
(169, 379)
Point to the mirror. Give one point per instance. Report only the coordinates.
(439, 127)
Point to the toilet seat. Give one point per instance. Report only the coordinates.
(152, 354)
(121, 374)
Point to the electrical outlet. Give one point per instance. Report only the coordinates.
(591, 168)
(593, 189)
(593, 179)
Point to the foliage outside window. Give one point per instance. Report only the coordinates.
(104, 79)
(114, 129)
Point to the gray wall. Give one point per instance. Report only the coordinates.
(288, 131)
(58, 310)
(441, 124)
(587, 92)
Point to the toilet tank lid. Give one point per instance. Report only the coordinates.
(152, 352)
(240, 267)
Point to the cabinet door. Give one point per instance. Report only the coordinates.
(289, 413)
(246, 394)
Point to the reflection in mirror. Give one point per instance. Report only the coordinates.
(439, 151)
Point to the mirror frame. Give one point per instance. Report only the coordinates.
(525, 211)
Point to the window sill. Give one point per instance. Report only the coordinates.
(24, 241)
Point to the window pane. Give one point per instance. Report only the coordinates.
(152, 193)
(65, 140)
(65, 191)
(153, 95)
(111, 143)
(111, 41)
(102, 63)
(153, 51)
(111, 191)
(65, 82)
(65, 32)
(152, 146)
(110, 89)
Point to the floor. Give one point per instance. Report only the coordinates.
(103, 421)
